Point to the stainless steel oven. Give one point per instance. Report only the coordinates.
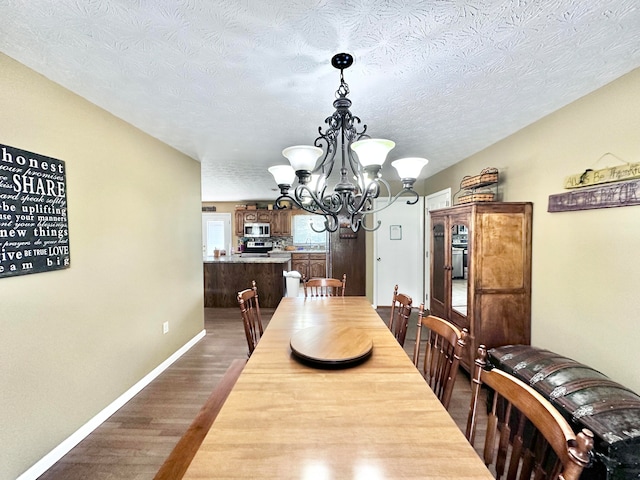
(256, 230)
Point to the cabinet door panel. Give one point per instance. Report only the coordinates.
(264, 216)
(250, 217)
(500, 314)
(300, 263)
(276, 229)
(239, 221)
(301, 267)
(285, 222)
(281, 223)
(438, 269)
(318, 268)
(501, 251)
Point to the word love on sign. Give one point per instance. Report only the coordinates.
(34, 233)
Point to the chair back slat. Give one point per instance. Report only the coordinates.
(325, 287)
(400, 313)
(442, 351)
(251, 318)
(526, 437)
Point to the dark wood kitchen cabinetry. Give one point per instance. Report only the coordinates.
(263, 216)
(317, 265)
(239, 223)
(310, 265)
(493, 298)
(256, 216)
(280, 221)
(226, 276)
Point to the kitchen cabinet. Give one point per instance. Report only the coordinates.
(264, 216)
(239, 223)
(493, 298)
(224, 277)
(310, 265)
(317, 265)
(250, 216)
(245, 216)
(300, 263)
(256, 216)
(281, 223)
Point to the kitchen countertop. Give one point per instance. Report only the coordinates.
(309, 250)
(240, 259)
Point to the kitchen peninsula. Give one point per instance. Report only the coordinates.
(225, 276)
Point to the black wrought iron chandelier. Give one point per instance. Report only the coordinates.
(360, 181)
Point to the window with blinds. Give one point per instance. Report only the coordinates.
(303, 234)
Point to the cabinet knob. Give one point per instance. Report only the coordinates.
(378, 259)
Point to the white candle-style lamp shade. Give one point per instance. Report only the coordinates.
(372, 151)
(409, 167)
(283, 174)
(302, 157)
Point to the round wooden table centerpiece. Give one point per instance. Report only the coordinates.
(331, 345)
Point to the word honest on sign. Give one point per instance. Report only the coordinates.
(34, 233)
(619, 194)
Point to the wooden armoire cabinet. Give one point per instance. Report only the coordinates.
(485, 285)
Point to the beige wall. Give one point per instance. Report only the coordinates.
(74, 340)
(585, 265)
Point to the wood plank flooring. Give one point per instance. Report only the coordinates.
(134, 442)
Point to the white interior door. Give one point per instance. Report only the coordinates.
(441, 199)
(216, 233)
(398, 251)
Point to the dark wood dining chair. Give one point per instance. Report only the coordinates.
(442, 351)
(250, 311)
(526, 435)
(400, 313)
(325, 287)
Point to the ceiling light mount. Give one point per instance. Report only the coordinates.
(360, 179)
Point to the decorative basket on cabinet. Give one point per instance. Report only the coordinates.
(478, 188)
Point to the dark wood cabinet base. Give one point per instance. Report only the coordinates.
(223, 281)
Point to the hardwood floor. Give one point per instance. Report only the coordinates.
(134, 442)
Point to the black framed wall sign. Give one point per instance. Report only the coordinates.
(34, 232)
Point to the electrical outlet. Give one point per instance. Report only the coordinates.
(165, 327)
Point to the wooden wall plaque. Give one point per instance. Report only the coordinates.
(619, 194)
(34, 232)
(591, 177)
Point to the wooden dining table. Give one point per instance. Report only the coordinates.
(374, 418)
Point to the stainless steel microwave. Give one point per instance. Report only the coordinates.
(257, 230)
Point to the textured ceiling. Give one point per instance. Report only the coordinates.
(232, 82)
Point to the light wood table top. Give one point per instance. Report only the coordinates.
(375, 420)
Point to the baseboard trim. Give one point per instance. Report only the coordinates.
(63, 448)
